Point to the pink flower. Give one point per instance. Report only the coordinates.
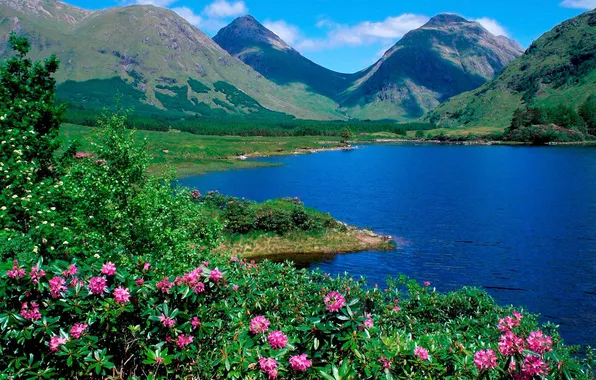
(269, 366)
(159, 360)
(166, 321)
(31, 313)
(56, 342)
(109, 269)
(427, 283)
(510, 344)
(195, 322)
(121, 295)
(300, 362)
(78, 329)
(235, 288)
(334, 301)
(57, 286)
(215, 275)
(485, 359)
(165, 285)
(396, 308)
(75, 281)
(16, 271)
(195, 194)
(534, 366)
(146, 266)
(508, 323)
(259, 324)
(422, 353)
(71, 271)
(199, 287)
(80, 155)
(36, 274)
(184, 340)
(368, 323)
(98, 285)
(386, 363)
(139, 282)
(277, 339)
(539, 343)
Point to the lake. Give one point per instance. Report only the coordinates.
(517, 221)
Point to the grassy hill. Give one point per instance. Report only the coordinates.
(153, 56)
(558, 68)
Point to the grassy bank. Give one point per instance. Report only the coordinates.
(192, 154)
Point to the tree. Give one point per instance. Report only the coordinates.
(587, 111)
(419, 134)
(346, 135)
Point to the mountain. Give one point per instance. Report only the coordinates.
(155, 58)
(445, 57)
(558, 68)
(260, 48)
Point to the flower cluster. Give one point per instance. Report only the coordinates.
(334, 301)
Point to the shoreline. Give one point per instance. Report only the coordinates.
(272, 246)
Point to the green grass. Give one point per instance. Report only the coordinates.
(192, 154)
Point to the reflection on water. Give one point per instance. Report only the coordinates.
(518, 221)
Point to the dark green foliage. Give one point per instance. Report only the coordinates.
(279, 216)
(419, 134)
(587, 111)
(197, 86)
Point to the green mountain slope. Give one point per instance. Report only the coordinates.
(151, 54)
(445, 57)
(558, 68)
(268, 54)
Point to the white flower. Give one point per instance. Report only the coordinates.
(96, 256)
(65, 243)
(3, 208)
(35, 249)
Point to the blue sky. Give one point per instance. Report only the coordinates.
(349, 35)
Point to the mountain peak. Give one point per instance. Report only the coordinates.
(245, 31)
(447, 19)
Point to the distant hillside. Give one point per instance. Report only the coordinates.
(155, 58)
(558, 68)
(445, 57)
(268, 54)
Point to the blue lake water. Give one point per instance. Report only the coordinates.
(517, 221)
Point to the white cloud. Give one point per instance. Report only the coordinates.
(367, 32)
(492, 26)
(157, 3)
(189, 15)
(224, 8)
(579, 4)
(287, 32)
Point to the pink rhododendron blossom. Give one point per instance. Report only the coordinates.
(109, 269)
(80, 155)
(386, 363)
(427, 283)
(259, 324)
(56, 342)
(215, 275)
(334, 301)
(139, 282)
(78, 329)
(368, 323)
(421, 352)
(485, 359)
(164, 285)
(539, 343)
(269, 366)
(146, 266)
(277, 339)
(510, 344)
(508, 323)
(57, 286)
(235, 288)
(16, 271)
(159, 360)
(71, 271)
(534, 366)
(195, 194)
(98, 285)
(199, 287)
(75, 281)
(300, 362)
(121, 295)
(195, 322)
(30, 311)
(166, 321)
(184, 340)
(36, 273)
(396, 308)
